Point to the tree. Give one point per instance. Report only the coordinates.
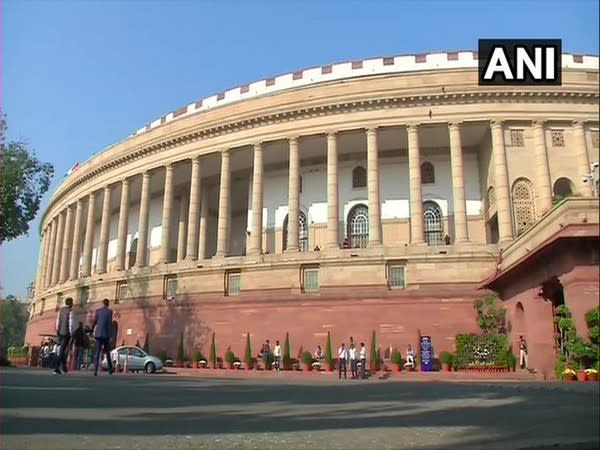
(13, 315)
(181, 351)
(25, 180)
(491, 315)
(147, 344)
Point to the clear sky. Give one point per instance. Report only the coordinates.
(80, 75)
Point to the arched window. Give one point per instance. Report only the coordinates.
(433, 224)
(358, 227)
(523, 198)
(132, 253)
(359, 177)
(302, 233)
(563, 187)
(491, 202)
(427, 173)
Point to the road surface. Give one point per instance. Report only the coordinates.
(79, 411)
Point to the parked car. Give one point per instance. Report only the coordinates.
(137, 359)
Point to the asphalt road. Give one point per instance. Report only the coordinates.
(78, 411)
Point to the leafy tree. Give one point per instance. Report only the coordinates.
(491, 315)
(25, 180)
(13, 316)
(213, 352)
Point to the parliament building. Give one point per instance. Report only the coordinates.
(382, 194)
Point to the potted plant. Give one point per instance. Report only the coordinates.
(307, 359)
(248, 354)
(198, 358)
(328, 354)
(446, 360)
(397, 360)
(568, 374)
(229, 358)
(592, 374)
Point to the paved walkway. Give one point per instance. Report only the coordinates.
(138, 411)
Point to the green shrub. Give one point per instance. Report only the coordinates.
(446, 358)
(480, 350)
(146, 344)
(163, 356)
(374, 357)
(396, 357)
(307, 358)
(230, 357)
(181, 350)
(198, 356)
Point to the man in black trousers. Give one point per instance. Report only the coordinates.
(64, 329)
(102, 332)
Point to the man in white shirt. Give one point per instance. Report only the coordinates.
(342, 356)
(363, 360)
(353, 361)
(277, 355)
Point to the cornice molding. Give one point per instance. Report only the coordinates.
(407, 101)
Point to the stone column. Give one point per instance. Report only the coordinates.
(166, 215)
(501, 189)
(42, 262)
(203, 224)
(104, 232)
(293, 236)
(224, 206)
(414, 176)
(332, 192)
(76, 247)
(256, 238)
(64, 260)
(375, 238)
(50, 258)
(583, 159)
(543, 183)
(44, 268)
(193, 217)
(88, 244)
(142, 245)
(182, 227)
(461, 231)
(123, 225)
(58, 248)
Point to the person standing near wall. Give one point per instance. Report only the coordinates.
(64, 329)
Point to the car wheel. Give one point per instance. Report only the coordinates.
(150, 367)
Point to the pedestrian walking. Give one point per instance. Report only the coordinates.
(78, 346)
(277, 355)
(102, 333)
(64, 329)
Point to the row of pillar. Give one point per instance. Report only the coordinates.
(61, 242)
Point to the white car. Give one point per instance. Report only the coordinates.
(134, 358)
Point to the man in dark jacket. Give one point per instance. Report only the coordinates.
(102, 332)
(64, 329)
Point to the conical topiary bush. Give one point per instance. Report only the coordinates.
(213, 352)
(329, 353)
(287, 357)
(248, 353)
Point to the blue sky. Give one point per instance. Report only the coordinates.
(78, 76)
